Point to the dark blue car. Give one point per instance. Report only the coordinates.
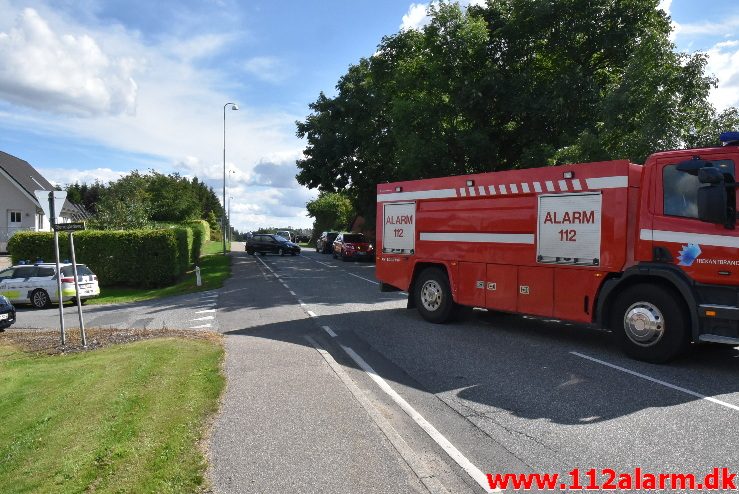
(7, 313)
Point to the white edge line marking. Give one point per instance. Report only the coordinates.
(201, 326)
(657, 381)
(414, 460)
(437, 436)
(204, 311)
(329, 331)
(361, 278)
(501, 238)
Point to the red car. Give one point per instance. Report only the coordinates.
(353, 246)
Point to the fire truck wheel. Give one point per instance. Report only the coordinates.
(650, 323)
(434, 296)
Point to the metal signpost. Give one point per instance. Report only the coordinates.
(51, 203)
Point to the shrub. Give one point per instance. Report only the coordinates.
(200, 234)
(184, 247)
(131, 257)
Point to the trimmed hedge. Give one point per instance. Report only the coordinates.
(200, 234)
(141, 258)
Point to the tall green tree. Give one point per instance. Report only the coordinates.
(330, 211)
(511, 84)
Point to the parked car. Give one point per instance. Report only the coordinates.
(7, 313)
(286, 235)
(37, 284)
(353, 246)
(325, 242)
(269, 243)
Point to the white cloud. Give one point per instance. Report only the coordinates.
(64, 176)
(268, 69)
(416, 17)
(726, 27)
(665, 5)
(63, 73)
(723, 62)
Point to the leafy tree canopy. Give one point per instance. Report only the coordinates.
(512, 84)
(331, 211)
(137, 200)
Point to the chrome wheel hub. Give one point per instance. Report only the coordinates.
(644, 324)
(431, 295)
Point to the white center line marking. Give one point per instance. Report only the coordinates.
(204, 311)
(437, 436)
(293, 293)
(206, 318)
(204, 305)
(201, 326)
(362, 278)
(658, 381)
(320, 262)
(329, 331)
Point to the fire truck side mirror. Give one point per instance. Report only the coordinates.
(713, 204)
(711, 176)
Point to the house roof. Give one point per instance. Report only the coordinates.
(27, 178)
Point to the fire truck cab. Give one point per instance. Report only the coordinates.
(649, 251)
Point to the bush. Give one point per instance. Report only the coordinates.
(200, 234)
(141, 258)
(184, 247)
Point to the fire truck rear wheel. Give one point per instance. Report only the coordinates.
(433, 296)
(650, 323)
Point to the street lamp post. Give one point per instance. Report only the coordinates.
(228, 192)
(230, 231)
(234, 106)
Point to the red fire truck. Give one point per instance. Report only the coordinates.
(649, 251)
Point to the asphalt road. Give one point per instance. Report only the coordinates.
(335, 387)
(508, 393)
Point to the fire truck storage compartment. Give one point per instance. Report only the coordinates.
(471, 286)
(501, 287)
(536, 291)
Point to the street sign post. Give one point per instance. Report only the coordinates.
(52, 198)
(51, 203)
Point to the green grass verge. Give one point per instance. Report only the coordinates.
(126, 418)
(214, 269)
(212, 247)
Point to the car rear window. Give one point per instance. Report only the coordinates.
(354, 238)
(82, 270)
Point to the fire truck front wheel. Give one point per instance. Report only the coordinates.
(650, 323)
(433, 296)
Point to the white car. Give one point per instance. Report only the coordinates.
(37, 284)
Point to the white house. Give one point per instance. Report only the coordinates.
(19, 208)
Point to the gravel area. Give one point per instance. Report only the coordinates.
(47, 341)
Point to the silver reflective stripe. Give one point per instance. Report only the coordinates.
(421, 194)
(500, 238)
(689, 238)
(607, 182)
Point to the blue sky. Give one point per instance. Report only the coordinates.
(91, 89)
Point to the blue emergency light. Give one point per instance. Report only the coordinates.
(728, 138)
